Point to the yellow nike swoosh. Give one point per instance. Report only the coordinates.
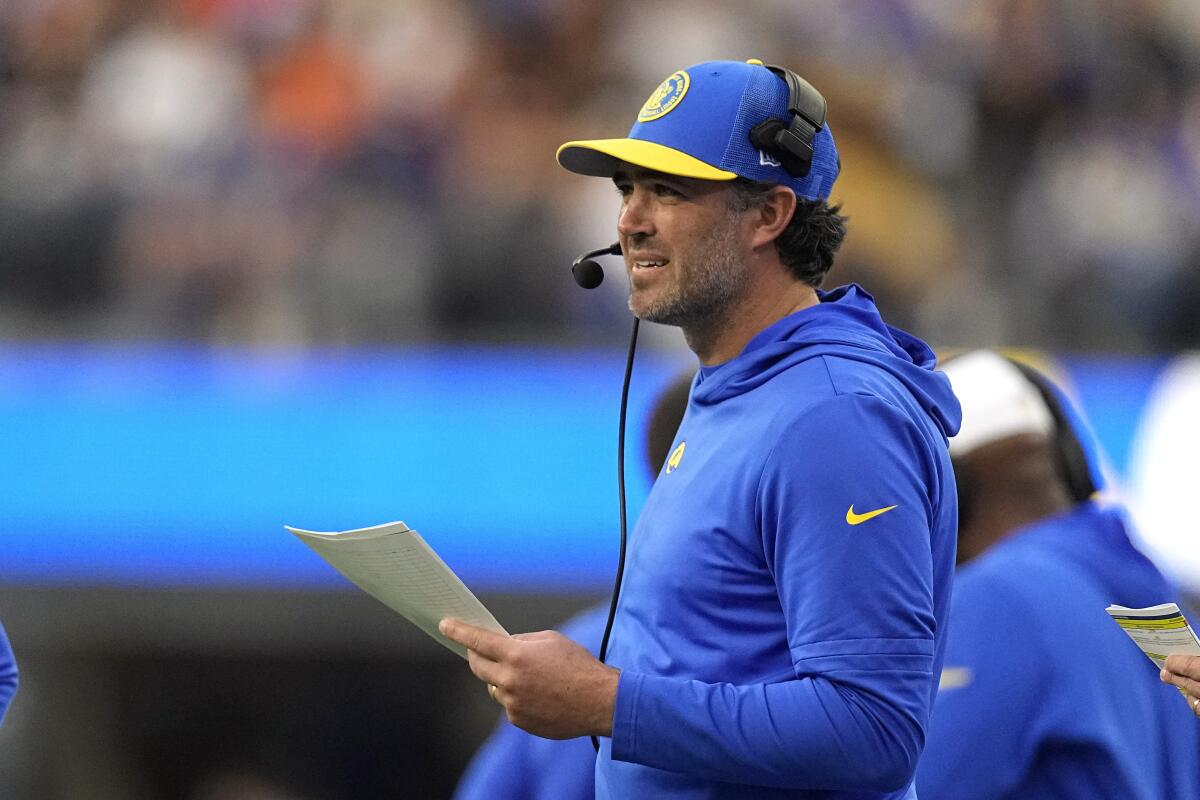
(858, 519)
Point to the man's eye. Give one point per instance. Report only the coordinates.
(623, 190)
(668, 191)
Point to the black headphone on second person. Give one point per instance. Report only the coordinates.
(792, 143)
(1073, 465)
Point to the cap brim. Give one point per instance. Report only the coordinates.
(601, 157)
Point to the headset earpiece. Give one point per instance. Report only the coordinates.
(791, 143)
(780, 143)
(1073, 461)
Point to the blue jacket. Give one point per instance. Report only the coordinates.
(780, 630)
(8, 674)
(1043, 695)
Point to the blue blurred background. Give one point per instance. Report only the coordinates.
(173, 466)
(176, 466)
(269, 262)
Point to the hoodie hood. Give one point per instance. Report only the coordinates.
(846, 324)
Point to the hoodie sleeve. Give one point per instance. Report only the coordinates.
(845, 514)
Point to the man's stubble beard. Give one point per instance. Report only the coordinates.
(702, 298)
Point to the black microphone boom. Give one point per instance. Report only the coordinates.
(588, 273)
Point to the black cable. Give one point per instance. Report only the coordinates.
(616, 593)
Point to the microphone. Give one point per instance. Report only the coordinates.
(588, 273)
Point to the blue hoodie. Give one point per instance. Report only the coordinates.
(781, 623)
(1044, 696)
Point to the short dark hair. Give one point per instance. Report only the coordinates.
(807, 245)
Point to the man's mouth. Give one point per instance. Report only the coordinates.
(644, 263)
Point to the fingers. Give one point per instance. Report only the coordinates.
(492, 645)
(1187, 666)
(546, 683)
(485, 669)
(1192, 687)
(485, 651)
(536, 636)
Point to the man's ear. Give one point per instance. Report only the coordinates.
(772, 215)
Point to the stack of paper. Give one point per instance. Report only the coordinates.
(393, 564)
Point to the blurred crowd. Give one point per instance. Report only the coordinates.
(376, 171)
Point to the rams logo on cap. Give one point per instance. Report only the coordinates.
(665, 97)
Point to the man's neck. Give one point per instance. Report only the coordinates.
(719, 339)
(1012, 482)
(995, 522)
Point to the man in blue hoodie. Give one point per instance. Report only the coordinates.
(1042, 695)
(780, 628)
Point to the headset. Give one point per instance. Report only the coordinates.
(792, 143)
(1074, 467)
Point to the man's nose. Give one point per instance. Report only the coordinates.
(636, 216)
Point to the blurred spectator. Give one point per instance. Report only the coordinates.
(369, 171)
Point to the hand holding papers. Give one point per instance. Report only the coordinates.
(393, 564)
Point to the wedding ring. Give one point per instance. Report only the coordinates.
(492, 691)
(1196, 706)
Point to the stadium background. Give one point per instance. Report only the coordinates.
(289, 261)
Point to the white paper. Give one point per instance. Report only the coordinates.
(393, 564)
(1159, 630)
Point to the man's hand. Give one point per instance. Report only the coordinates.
(1184, 672)
(548, 684)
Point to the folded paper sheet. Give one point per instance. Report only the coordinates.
(393, 564)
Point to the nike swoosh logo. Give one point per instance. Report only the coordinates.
(858, 519)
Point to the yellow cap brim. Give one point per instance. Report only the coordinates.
(601, 157)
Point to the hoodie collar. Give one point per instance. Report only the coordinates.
(845, 323)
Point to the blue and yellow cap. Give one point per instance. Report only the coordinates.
(697, 124)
